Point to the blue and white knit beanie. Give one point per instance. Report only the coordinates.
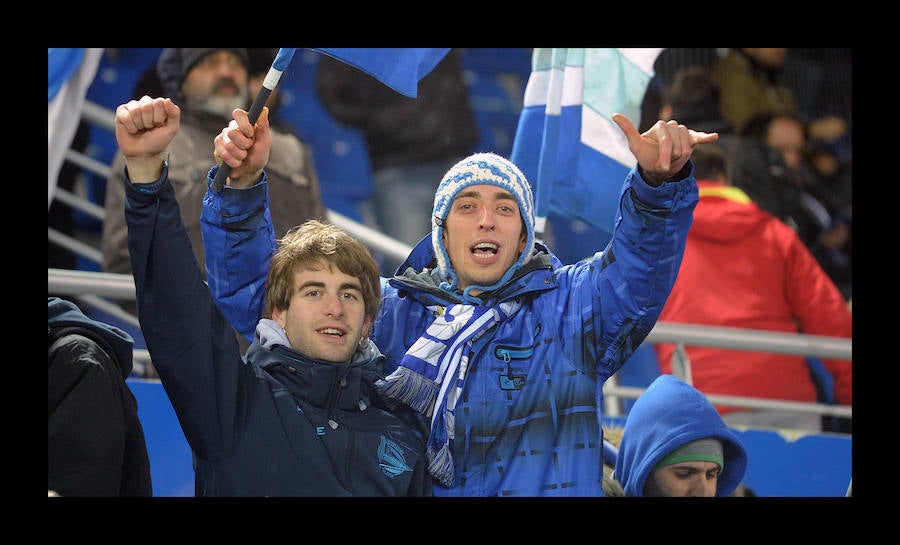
(477, 169)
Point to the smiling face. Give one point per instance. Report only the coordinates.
(483, 234)
(326, 317)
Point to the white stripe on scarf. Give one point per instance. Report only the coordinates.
(432, 374)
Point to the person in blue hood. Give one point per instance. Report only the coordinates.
(675, 444)
(500, 348)
(298, 414)
(95, 440)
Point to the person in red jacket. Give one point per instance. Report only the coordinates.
(745, 268)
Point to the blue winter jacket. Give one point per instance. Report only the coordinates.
(667, 415)
(273, 423)
(528, 421)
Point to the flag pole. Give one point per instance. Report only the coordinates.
(282, 60)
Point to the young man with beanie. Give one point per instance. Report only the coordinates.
(298, 415)
(501, 348)
(208, 84)
(675, 444)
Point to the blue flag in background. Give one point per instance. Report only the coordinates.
(62, 62)
(566, 143)
(400, 68)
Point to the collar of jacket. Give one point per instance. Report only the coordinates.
(535, 275)
(330, 386)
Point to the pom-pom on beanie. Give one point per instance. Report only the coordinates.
(478, 169)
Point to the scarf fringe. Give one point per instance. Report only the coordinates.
(440, 465)
(417, 391)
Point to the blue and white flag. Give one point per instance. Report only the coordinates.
(70, 72)
(400, 68)
(566, 143)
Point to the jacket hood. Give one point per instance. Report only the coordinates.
(667, 415)
(62, 313)
(731, 217)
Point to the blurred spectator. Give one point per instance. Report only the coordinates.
(675, 444)
(744, 268)
(693, 98)
(670, 61)
(95, 441)
(411, 141)
(822, 81)
(208, 83)
(753, 81)
(786, 184)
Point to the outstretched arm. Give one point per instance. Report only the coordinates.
(641, 261)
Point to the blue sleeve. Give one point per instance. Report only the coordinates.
(238, 241)
(639, 266)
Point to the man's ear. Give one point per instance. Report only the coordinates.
(367, 326)
(279, 316)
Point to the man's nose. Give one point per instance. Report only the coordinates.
(487, 219)
(333, 306)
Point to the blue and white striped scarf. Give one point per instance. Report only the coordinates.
(433, 372)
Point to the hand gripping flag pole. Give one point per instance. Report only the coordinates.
(281, 62)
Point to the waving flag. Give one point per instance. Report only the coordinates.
(400, 68)
(70, 72)
(566, 143)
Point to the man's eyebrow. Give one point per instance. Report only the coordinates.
(500, 194)
(311, 284)
(320, 284)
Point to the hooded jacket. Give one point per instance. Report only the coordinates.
(744, 268)
(528, 419)
(667, 415)
(95, 441)
(273, 423)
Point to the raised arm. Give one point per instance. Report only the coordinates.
(192, 346)
(641, 263)
(238, 234)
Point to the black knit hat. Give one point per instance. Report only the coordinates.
(175, 63)
(192, 55)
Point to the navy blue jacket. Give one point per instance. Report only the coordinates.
(272, 423)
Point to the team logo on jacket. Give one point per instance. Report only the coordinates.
(391, 458)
